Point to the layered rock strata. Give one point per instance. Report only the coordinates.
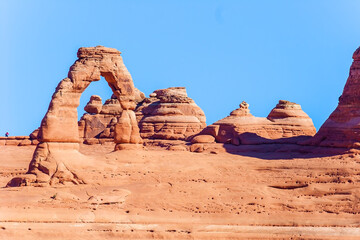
(169, 114)
(57, 152)
(342, 128)
(286, 121)
(17, 141)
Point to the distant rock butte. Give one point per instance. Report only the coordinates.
(342, 128)
(169, 114)
(285, 123)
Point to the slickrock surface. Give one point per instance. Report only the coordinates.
(273, 191)
(285, 123)
(170, 114)
(342, 128)
(56, 157)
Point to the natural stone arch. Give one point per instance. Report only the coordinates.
(56, 156)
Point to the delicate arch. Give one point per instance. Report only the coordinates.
(56, 157)
(60, 122)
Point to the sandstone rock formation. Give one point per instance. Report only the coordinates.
(91, 126)
(59, 131)
(203, 139)
(16, 141)
(285, 121)
(342, 128)
(170, 114)
(112, 106)
(99, 126)
(94, 105)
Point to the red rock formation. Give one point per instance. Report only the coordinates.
(56, 155)
(100, 120)
(112, 106)
(286, 120)
(94, 105)
(16, 141)
(170, 114)
(342, 128)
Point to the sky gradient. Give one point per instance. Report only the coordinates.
(223, 52)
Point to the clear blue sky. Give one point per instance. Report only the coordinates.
(223, 52)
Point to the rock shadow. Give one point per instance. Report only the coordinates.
(253, 145)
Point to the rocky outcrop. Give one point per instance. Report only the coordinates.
(17, 141)
(94, 105)
(112, 106)
(166, 114)
(169, 114)
(286, 121)
(57, 153)
(292, 120)
(91, 126)
(99, 126)
(342, 128)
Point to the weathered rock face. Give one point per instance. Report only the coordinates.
(111, 106)
(170, 114)
(92, 63)
(342, 128)
(17, 141)
(286, 120)
(292, 120)
(94, 126)
(167, 114)
(59, 130)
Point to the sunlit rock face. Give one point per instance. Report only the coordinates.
(342, 128)
(285, 123)
(170, 114)
(97, 125)
(167, 114)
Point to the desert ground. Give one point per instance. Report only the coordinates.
(236, 192)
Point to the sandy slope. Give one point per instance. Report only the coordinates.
(258, 192)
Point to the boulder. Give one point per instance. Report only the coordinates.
(34, 134)
(197, 147)
(94, 105)
(203, 139)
